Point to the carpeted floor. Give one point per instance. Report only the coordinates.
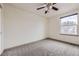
(45, 47)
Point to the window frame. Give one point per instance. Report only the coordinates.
(74, 25)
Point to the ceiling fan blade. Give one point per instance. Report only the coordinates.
(55, 8)
(46, 12)
(40, 8)
(54, 3)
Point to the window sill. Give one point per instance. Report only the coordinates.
(70, 34)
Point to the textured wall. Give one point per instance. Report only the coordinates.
(54, 29)
(22, 27)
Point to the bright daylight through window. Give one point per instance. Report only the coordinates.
(69, 24)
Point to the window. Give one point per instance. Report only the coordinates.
(69, 24)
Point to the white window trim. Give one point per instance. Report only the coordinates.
(76, 25)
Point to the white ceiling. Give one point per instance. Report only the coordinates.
(63, 7)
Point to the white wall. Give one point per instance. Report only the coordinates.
(54, 29)
(0, 33)
(1, 29)
(22, 27)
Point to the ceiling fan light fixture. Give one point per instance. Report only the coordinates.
(48, 7)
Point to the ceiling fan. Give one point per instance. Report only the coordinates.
(48, 6)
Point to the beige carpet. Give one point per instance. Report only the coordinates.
(45, 47)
